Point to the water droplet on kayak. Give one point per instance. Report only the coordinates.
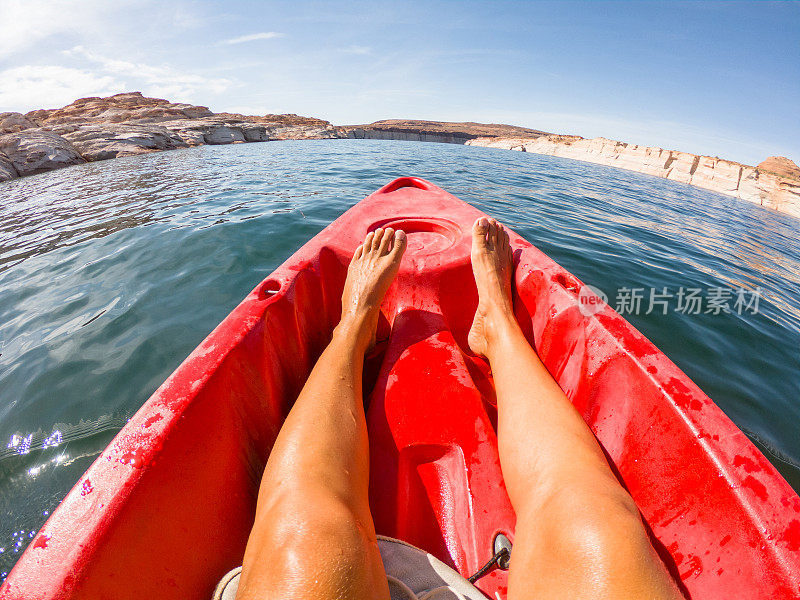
(132, 458)
(86, 488)
(154, 419)
(41, 541)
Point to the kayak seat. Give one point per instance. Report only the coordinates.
(413, 574)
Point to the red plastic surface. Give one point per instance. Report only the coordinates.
(166, 508)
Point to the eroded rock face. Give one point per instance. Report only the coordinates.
(435, 131)
(37, 150)
(7, 170)
(780, 166)
(120, 108)
(14, 122)
(101, 142)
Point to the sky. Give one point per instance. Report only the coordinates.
(714, 78)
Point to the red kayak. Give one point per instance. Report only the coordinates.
(166, 509)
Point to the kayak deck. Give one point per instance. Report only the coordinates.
(166, 509)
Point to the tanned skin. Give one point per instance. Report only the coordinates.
(578, 535)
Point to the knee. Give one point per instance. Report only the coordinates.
(326, 528)
(603, 531)
(322, 545)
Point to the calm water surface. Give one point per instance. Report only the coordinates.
(112, 272)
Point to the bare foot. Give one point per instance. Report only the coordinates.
(492, 266)
(372, 270)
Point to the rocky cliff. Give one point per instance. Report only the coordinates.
(775, 183)
(434, 131)
(93, 129)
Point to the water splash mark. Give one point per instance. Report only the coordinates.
(41, 541)
(749, 465)
(759, 489)
(133, 458)
(791, 537)
(86, 488)
(154, 419)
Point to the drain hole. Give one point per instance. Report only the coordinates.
(270, 288)
(567, 282)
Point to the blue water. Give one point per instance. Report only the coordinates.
(110, 273)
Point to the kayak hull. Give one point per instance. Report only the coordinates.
(166, 509)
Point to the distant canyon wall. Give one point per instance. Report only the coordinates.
(725, 177)
(361, 133)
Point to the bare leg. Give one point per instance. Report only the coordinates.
(579, 533)
(313, 535)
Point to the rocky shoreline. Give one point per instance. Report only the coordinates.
(92, 129)
(774, 183)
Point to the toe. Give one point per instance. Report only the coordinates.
(388, 236)
(399, 244)
(492, 234)
(359, 252)
(479, 230)
(368, 242)
(376, 239)
(507, 244)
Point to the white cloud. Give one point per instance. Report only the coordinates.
(357, 50)
(27, 87)
(156, 80)
(264, 35)
(26, 23)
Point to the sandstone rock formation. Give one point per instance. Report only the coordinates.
(37, 150)
(13, 122)
(780, 166)
(726, 177)
(7, 170)
(101, 142)
(434, 131)
(93, 129)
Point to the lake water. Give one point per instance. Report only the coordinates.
(112, 272)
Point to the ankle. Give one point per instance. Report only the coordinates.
(353, 330)
(501, 331)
